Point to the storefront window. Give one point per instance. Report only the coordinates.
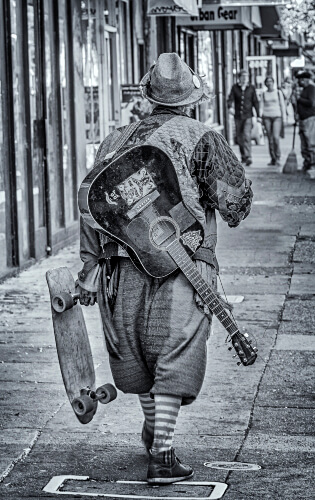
(52, 126)
(112, 79)
(20, 131)
(65, 118)
(91, 79)
(206, 69)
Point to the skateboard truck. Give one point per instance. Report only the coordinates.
(88, 398)
(64, 301)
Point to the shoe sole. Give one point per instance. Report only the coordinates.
(168, 480)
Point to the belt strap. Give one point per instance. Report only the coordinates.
(122, 139)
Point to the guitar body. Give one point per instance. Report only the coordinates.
(121, 200)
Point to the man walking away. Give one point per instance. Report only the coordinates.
(161, 327)
(241, 101)
(305, 105)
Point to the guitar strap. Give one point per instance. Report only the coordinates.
(122, 139)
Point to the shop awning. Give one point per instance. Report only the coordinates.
(172, 8)
(270, 23)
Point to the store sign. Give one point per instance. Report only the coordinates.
(219, 17)
(128, 92)
(172, 8)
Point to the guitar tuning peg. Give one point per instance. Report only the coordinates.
(230, 348)
(255, 349)
(234, 356)
(238, 363)
(245, 334)
(250, 341)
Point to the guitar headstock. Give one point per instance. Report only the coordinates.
(244, 349)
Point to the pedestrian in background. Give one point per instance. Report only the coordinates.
(305, 108)
(241, 101)
(273, 112)
(162, 328)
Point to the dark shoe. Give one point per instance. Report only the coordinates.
(146, 438)
(248, 162)
(272, 162)
(165, 468)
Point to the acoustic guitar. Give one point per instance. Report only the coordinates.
(136, 201)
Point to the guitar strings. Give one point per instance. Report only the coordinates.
(231, 313)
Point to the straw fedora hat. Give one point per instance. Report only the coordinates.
(171, 82)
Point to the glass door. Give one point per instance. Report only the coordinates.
(37, 123)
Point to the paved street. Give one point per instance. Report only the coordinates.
(262, 415)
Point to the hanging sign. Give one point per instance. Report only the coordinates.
(218, 17)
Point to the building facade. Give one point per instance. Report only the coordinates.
(62, 66)
(69, 74)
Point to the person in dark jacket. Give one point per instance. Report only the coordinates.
(161, 325)
(241, 101)
(305, 107)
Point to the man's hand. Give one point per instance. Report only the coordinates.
(86, 298)
(259, 119)
(231, 112)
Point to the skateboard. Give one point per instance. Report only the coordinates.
(73, 347)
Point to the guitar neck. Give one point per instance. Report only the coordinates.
(186, 265)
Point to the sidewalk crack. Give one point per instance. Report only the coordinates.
(26, 452)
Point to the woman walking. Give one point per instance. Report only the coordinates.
(272, 110)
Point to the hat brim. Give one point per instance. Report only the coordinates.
(196, 95)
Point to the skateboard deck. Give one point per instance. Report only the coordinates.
(73, 347)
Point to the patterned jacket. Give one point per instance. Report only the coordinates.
(210, 177)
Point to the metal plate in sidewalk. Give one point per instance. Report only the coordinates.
(183, 490)
(232, 466)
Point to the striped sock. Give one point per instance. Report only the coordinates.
(166, 413)
(148, 408)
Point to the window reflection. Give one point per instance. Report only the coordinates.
(66, 140)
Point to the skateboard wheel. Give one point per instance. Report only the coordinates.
(62, 302)
(109, 392)
(83, 405)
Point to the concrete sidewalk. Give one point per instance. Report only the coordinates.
(260, 415)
